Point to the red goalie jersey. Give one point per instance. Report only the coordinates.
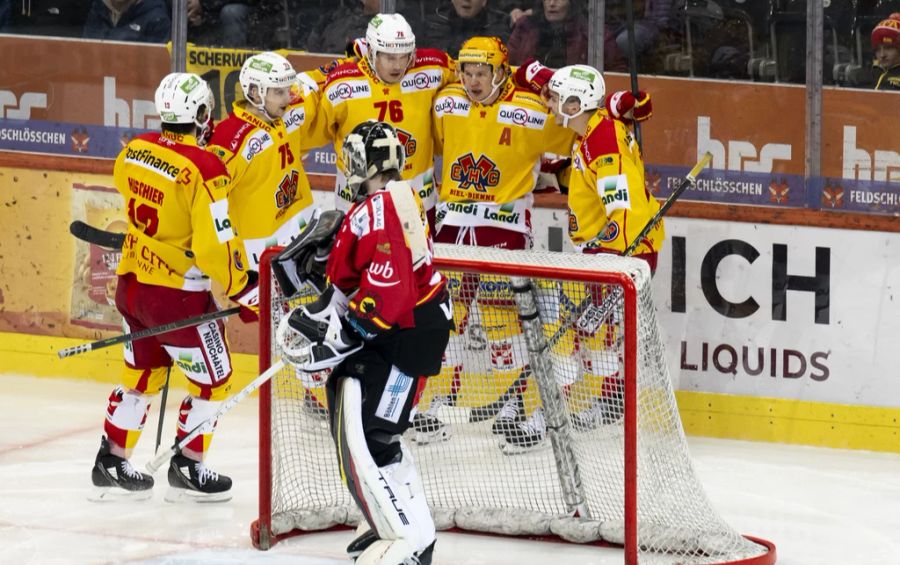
(371, 254)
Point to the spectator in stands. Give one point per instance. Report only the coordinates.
(886, 44)
(218, 22)
(650, 18)
(338, 28)
(60, 18)
(556, 34)
(128, 20)
(457, 20)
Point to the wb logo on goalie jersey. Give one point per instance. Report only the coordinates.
(480, 174)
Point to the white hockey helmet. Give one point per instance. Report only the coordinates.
(184, 98)
(264, 71)
(578, 81)
(371, 148)
(389, 33)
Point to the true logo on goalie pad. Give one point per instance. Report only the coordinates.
(396, 391)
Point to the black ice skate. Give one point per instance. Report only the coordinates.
(361, 543)
(511, 415)
(603, 412)
(429, 429)
(115, 479)
(525, 437)
(191, 480)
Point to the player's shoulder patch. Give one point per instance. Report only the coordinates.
(600, 140)
(229, 134)
(349, 69)
(207, 163)
(430, 56)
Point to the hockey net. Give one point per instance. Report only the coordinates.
(558, 405)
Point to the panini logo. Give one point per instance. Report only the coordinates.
(348, 90)
(452, 105)
(521, 117)
(421, 80)
(145, 158)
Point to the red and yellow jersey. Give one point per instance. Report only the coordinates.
(607, 188)
(179, 232)
(492, 154)
(271, 200)
(353, 94)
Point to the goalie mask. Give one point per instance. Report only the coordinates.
(264, 71)
(371, 148)
(184, 98)
(577, 82)
(389, 34)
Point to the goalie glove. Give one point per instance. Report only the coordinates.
(314, 340)
(304, 260)
(624, 106)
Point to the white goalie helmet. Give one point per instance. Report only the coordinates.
(184, 98)
(389, 33)
(578, 81)
(371, 148)
(264, 71)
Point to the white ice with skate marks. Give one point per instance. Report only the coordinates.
(817, 505)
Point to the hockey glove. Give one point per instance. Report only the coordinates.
(248, 299)
(623, 105)
(532, 74)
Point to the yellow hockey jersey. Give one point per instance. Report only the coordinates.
(270, 198)
(607, 188)
(492, 154)
(179, 232)
(353, 94)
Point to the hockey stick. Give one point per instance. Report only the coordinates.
(165, 328)
(162, 409)
(161, 458)
(90, 234)
(632, 65)
(610, 301)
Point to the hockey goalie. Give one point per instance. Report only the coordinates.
(382, 322)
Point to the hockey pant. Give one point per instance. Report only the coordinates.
(200, 352)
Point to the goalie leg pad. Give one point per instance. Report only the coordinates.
(390, 497)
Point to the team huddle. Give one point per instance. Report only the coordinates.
(204, 203)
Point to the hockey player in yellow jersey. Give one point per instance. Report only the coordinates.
(492, 135)
(395, 83)
(261, 143)
(609, 205)
(179, 238)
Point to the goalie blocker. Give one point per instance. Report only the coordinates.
(303, 261)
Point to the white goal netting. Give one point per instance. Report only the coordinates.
(553, 415)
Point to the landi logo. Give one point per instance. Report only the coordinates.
(19, 108)
(739, 155)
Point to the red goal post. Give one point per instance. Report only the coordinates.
(558, 331)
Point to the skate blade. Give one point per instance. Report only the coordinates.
(507, 448)
(425, 438)
(117, 494)
(179, 495)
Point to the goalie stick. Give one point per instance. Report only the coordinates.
(165, 328)
(176, 448)
(90, 234)
(607, 305)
